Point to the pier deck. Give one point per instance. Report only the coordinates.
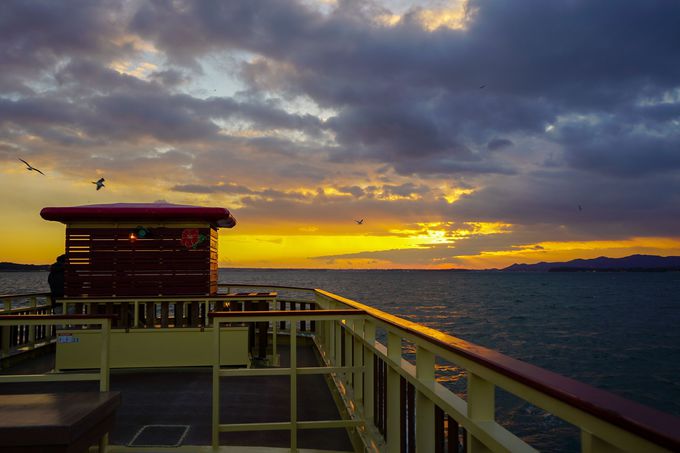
(183, 397)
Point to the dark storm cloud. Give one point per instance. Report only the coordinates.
(498, 143)
(35, 36)
(580, 105)
(403, 91)
(611, 207)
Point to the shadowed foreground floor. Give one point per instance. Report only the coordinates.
(183, 397)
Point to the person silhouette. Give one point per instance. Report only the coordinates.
(56, 279)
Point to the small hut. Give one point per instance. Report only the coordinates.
(140, 249)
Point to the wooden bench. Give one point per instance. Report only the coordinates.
(55, 422)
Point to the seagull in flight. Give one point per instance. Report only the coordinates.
(482, 87)
(99, 183)
(580, 208)
(360, 222)
(30, 167)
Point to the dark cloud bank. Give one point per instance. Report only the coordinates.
(595, 83)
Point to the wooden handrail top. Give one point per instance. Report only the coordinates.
(48, 317)
(654, 425)
(284, 313)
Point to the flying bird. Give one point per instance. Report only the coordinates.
(580, 208)
(360, 222)
(30, 167)
(482, 86)
(99, 183)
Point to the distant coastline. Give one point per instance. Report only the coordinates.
(14, 267)
(632, 263)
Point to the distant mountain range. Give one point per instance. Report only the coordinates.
(633, 263)
(14, 267)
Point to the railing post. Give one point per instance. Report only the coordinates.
(4, 339)
(425, 432)
(337, 353)
(358, 387)
(349, 342)
(31, 329)
(293, 386)
(393, 430)
(104, 366)
(369, 375)
(481, 407)
(216, 385)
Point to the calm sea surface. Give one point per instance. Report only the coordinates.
(617, 331)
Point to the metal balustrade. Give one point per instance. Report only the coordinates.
(389, 404)
(19, 338)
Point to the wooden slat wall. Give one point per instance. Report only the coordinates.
(104, 262)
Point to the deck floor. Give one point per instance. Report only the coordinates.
(183, 397)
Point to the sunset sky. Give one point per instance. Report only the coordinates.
(467, 134)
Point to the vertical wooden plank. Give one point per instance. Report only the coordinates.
(165, 314)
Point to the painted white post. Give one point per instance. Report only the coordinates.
(332, 326)
(136, 314)
(348, 351)
(293, 386)
(481, 407)
(369, 375)
(358, 375)
(393, 394)
(337, 354)
(424, 407)
(104, 372)
(31, 329)
(216, 386)
(4, 341)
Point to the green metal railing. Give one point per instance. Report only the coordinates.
(380, 392)
(19, 338)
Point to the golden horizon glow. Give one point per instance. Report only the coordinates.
(271, 241)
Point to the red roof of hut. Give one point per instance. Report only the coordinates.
(220, 217)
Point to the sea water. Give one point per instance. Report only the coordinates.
(616, 331)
